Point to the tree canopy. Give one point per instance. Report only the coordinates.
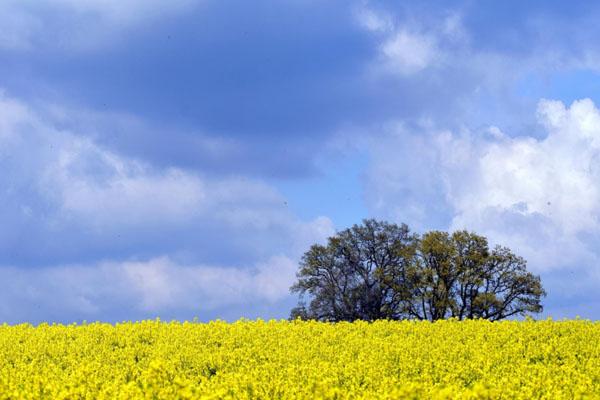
(379, 270)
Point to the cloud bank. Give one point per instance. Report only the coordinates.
(539, 197)
(70, 202)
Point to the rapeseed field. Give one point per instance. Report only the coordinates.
(302, 360)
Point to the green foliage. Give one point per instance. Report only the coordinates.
(379, 270)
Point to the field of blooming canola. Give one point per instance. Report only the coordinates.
(302, 360)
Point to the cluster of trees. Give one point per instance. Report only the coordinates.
(379, 270)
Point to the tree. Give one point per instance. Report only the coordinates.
(458, 276)
(380, 270)
(354, 276)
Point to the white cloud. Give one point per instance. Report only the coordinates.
(161, 284)
(96, 186)
(58, 186)
(373, 21)
(407, 47)
(407, 52)
(156, 286)
(12, 114)
(86, 181)
(556, 177)
(540, 197)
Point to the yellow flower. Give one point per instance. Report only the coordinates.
(302, 360)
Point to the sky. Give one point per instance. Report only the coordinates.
(176, 159)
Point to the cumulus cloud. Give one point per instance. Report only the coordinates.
(554, 178)
(406, 47)
(86, 229)
(530, 182)
(162, 284)
(80, 179)
(539, 196)
(408, 52)
(402, 50)
(451, 62)
(154, 287)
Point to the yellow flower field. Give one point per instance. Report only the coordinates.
(302, 360)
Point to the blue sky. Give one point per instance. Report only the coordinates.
(175, 159)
